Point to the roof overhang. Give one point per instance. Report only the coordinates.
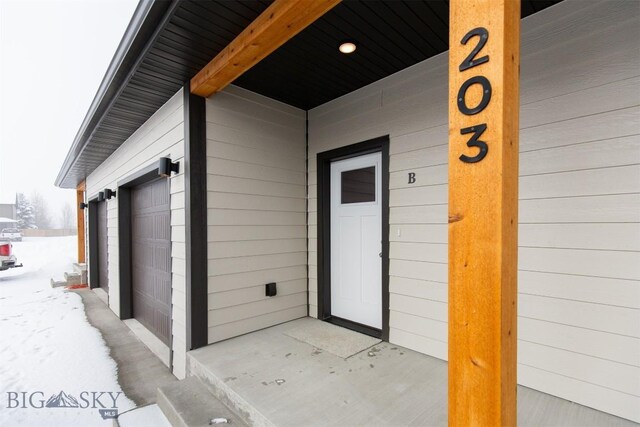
(168, 42)
(138, 37)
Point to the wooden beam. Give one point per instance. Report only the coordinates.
(280, 22)
(484, 61)
(80, 222)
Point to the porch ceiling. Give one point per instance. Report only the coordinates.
(168, 42)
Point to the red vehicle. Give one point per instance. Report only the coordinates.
(7, 259)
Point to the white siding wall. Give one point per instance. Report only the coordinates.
(161, 136)
(256, 212)
(579, 258)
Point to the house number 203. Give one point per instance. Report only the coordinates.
(469, 62)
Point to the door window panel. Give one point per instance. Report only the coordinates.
(358, 185)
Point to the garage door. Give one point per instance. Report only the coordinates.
(103, 253)
(151, 257)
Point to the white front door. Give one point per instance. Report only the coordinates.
(356, 233)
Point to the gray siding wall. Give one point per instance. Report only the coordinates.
(579, 236)
(256, 212)
(161, 136)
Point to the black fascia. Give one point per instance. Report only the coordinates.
(148, 19)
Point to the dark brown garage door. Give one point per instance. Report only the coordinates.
(151, 257)
(103, 252)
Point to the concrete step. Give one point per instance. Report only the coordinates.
(225, 393)
(189, 403)
(81, 269)
(73, 278)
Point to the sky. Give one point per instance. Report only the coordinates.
(53, 56)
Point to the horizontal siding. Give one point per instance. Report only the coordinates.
(567, 387)
(242, 296)
(579, 190)
(584, 341)
(241, 169)
(228, 200)
(256, 232)
(234, 329)
(161, 136)
(256, 212)
(234, 249)
(616, 208)
(595, 289)
(583, 262)
(237, 217)
(259, 308)
(254, 278)
(241, 264)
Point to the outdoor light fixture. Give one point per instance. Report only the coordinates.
(166, 166)
(101, 196)
(108, 194)
(83, 205)
(347, 47)
(270, 290)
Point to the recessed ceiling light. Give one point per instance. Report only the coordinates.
(347, 47)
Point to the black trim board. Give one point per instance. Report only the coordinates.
(324, 160)
(195, 183)
(124, 252)
(93, 243)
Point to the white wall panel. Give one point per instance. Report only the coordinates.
(579, 233)
(256, 212)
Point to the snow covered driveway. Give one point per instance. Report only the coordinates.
(48, 349)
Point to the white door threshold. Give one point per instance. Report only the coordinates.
(157, 347)
(104, 297)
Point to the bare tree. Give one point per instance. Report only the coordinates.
(40, 210)
(67, 217)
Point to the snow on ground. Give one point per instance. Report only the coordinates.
(48, 347)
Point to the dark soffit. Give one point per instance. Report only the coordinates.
(168, 42)
(391, 35)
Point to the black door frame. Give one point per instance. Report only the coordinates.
(380, 144)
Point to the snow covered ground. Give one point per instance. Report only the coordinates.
(48, 350)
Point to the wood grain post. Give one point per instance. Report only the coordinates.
(80, 222)
(484, 61)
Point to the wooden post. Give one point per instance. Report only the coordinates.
(80, 222)
(484, 60)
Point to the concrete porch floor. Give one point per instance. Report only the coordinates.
(307, 372)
